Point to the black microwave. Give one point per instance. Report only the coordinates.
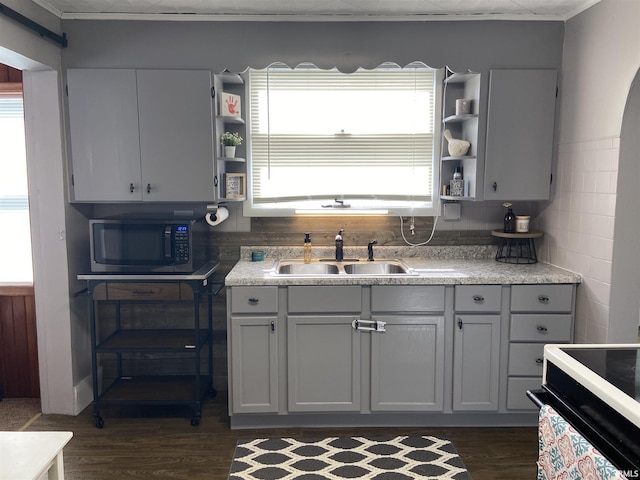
(147, 246)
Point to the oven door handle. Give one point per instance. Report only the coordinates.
(537, 397)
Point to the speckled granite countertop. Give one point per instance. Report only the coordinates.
(447, 265)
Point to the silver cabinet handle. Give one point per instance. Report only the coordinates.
(460, 323)
(369, 325)
(542, 329)
(253, 301)
(543, 299)
(273, 326)
(478, 298)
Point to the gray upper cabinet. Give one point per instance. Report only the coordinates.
(520, 128)
(105, 146)
(141, 135)
(176, 135)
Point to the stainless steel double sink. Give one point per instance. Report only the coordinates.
(321, 268)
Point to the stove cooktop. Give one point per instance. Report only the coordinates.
(597, 389)
(618, 366)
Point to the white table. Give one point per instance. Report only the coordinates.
(32, 455)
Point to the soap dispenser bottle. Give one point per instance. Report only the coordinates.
(306, 249)
(509, 219)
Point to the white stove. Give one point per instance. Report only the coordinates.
(596, 388)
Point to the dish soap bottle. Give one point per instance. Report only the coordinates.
(509, 219)
(306, 249)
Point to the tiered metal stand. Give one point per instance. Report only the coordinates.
(516, 247)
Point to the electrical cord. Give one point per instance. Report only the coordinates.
(433, 230)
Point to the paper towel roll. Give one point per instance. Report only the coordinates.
(217, 217)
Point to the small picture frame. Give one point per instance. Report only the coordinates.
(234, 185)
(230, 105)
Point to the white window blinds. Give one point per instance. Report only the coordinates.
(321, 134)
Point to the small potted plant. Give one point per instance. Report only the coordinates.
(230, 142)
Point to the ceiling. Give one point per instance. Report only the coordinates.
(318, 9)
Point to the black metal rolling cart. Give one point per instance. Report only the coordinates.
(142, 353)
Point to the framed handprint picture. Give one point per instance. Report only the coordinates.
(229, 105)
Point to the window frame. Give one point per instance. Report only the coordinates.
(357, 207)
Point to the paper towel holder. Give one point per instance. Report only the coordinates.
(216, 214)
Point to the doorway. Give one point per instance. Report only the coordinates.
(625, 283)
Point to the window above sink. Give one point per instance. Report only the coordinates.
(341, 143)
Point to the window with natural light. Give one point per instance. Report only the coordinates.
(364, 138)
(16, 266)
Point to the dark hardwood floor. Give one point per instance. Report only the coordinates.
(168, 447)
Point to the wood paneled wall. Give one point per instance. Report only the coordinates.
(358, 231)
(19, 374)
(10, 80)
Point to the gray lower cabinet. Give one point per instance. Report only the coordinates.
(255, 364)
(539, 314)
(323, 363)
(407, 364)
(476, 347)
(476, 362)
(252, 326)
(301, 342)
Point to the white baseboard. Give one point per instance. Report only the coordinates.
(83, 393)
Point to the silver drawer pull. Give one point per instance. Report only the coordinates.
(543, 299)
(478, 298)
(539, 361)
(542, 329)
(254, 301)
(189, 347)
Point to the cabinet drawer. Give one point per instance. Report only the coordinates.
(541, 298)
(146, 291)
(478, 298)
(526, 359)
(407, 298)
(540, 328)
(517, 392)
(254, 299)
(309, 299)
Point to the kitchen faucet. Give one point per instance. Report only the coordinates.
(339, 252)
(370, 249)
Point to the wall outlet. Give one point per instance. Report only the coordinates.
(451, 211)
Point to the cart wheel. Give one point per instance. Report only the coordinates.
(195, 421)
(99, 421)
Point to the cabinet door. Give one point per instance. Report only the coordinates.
(176, 134)
(407, 364)
(476, 366)
(520, 127)
(105, 148)
(254, 364)
(323, 364)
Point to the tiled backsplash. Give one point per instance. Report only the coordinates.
(578, 226)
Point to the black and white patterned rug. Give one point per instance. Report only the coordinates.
(391, 458)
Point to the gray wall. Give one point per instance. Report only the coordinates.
(583, 226)
(237, 45)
